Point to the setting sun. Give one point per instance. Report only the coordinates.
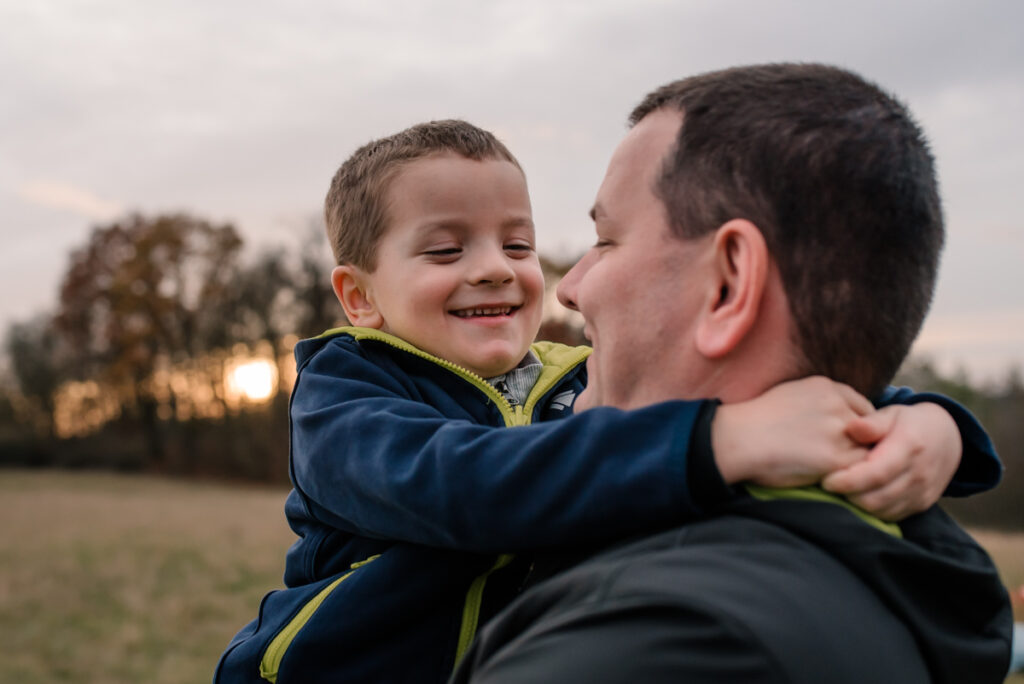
(252, 380)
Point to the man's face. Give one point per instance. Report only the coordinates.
(639, 288)
(457, 274)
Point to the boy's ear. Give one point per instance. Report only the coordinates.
(350, 287)
(740, 266)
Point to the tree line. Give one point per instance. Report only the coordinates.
(143, 297)
(128, 371)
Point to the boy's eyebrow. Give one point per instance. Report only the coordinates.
(595, 211)
(449, 225)
(437, 227)
(516, 221)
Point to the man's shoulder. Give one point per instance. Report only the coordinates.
(932, 590)
(751, 592)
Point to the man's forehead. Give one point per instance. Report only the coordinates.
(653, 135)
(640, 155)
(636, 163)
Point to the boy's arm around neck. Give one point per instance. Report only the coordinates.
(980, 468)
(371, 459)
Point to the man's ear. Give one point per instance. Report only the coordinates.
(740, 266)
(350, 287)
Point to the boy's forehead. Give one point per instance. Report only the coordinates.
(430, 158)
(449, 192)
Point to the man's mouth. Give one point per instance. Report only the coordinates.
(489, 311)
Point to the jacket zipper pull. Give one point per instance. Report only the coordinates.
(502, 387)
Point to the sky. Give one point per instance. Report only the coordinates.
(242, 111)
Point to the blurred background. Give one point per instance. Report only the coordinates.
(162, 169)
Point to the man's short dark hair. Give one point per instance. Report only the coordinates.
(839, 179)
(355, 209)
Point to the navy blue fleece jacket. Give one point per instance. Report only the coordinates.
(406, 501)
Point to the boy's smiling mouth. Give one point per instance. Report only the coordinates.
(485, 311)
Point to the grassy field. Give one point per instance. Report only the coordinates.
(129, 579)
(117, 579)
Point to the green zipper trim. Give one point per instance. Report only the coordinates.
(814, 493)
(471, 611)
(558, 360)
(271, 661)
(359, 564)
(508, 413)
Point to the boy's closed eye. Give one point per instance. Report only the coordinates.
(443, 253)
(519, 249)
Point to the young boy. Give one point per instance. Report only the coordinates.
(407, 500)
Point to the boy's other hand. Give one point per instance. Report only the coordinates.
(916, 451)
(792, 435)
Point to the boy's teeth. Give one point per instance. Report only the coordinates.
(500, 311)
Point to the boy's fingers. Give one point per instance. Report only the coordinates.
(893, 501)
(846, 458)
(839, 481)
(857, 401)
(871, 428)
(877, 470)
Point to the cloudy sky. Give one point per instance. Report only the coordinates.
(241, 111)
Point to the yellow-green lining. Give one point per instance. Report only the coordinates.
(471, 610)
(813, 493)
(272, 657)
(559, 361)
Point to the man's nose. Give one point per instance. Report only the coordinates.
(566, 290)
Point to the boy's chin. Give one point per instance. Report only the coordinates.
(486, 369)
(499, 362)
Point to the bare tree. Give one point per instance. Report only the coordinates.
(143, 289)
(36, 368)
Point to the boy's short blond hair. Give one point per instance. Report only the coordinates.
(355, 209)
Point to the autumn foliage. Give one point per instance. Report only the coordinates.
(154, 312)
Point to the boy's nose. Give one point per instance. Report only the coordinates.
(491, 268)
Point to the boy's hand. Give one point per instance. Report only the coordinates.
(916, 451)
(792, 435)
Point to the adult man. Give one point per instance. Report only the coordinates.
(755, 225)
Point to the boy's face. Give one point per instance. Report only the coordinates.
(457, 273)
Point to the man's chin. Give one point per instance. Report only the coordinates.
(584, 401)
